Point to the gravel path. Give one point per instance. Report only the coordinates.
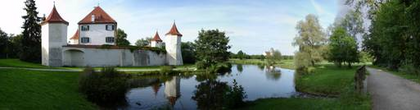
(390, 92)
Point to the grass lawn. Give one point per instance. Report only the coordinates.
(288, 64)
(411, 77)
(23, 89)
(325, 80)
(18, 63)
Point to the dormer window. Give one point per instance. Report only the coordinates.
(85, 27)
(84, 40)
(109, 39)
(110, 27)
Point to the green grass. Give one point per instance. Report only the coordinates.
(23, 89)
(325, 80)
(301, 104)
(408, 76)
(288, 64)
(18, 63)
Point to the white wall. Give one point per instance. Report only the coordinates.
(173, 49)
(113, 57)
(53, 37)
(97, 34)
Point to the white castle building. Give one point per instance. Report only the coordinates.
(86, 47)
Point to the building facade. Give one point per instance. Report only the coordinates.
(86, 47)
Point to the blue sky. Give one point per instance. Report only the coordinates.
(253, 26)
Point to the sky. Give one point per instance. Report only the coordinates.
(253, 26)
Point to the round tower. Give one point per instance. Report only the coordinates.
(173, 46)
(53, 38)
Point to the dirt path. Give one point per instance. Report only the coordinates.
(390, 92)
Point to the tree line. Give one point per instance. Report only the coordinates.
(394, 34)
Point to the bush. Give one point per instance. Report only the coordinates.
(201, 65)
(410, 69)
(166, 69)
(106, 88)
(220, 68)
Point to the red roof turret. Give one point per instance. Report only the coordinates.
(157, 38)
(54, 17)
(174, 31)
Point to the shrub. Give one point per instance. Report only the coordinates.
(106, 88)
(220, 68)
(410, 69)
(201, 65)
(166, 69)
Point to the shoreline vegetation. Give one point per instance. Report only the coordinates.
(326, 80)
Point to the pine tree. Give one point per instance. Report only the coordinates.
(31, 48)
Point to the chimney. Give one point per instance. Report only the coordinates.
(93, 18)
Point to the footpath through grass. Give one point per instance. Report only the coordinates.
(326, 80)
(23, 89)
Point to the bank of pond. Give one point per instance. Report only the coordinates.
(243, 87)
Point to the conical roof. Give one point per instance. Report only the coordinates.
(174, 31)
(76, 35)
(55, 17)
(157, 38)
(101, 17)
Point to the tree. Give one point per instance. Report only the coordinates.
(121, 39)
(4, 43)
(143, 42)
(31, 34)
(188, 52)
(241, 55)
(212, 47)
(353, 23)
(273, 57)
(310, 40)
(342, 47)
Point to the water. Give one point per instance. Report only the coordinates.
(177, 91)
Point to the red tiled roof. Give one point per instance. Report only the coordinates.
(55, 17)
(101, 17)
(157, 38)
(76, 35)
(174, 31)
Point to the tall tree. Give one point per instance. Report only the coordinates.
(4, 42)
(188, 52)
(353, 23)
(121, 38)
(241, 55)
(342, 47)
(31, 48)
(212, 47)
(273, 57)
(310, 40)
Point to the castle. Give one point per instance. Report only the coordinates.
(85, 48)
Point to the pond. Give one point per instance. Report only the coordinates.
(153, 92)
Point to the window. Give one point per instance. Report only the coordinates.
(85, 40)
(109, 39)
(85, 27)
(110, 27)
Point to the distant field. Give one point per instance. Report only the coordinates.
(289, 64)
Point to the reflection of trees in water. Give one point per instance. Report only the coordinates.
(272, 73)
(261, 67)
(240, 67)
(216, 95)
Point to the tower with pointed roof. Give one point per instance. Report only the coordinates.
(156, 41)
(54, 37)
(173, 46)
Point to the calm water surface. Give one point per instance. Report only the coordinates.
(177, 91)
